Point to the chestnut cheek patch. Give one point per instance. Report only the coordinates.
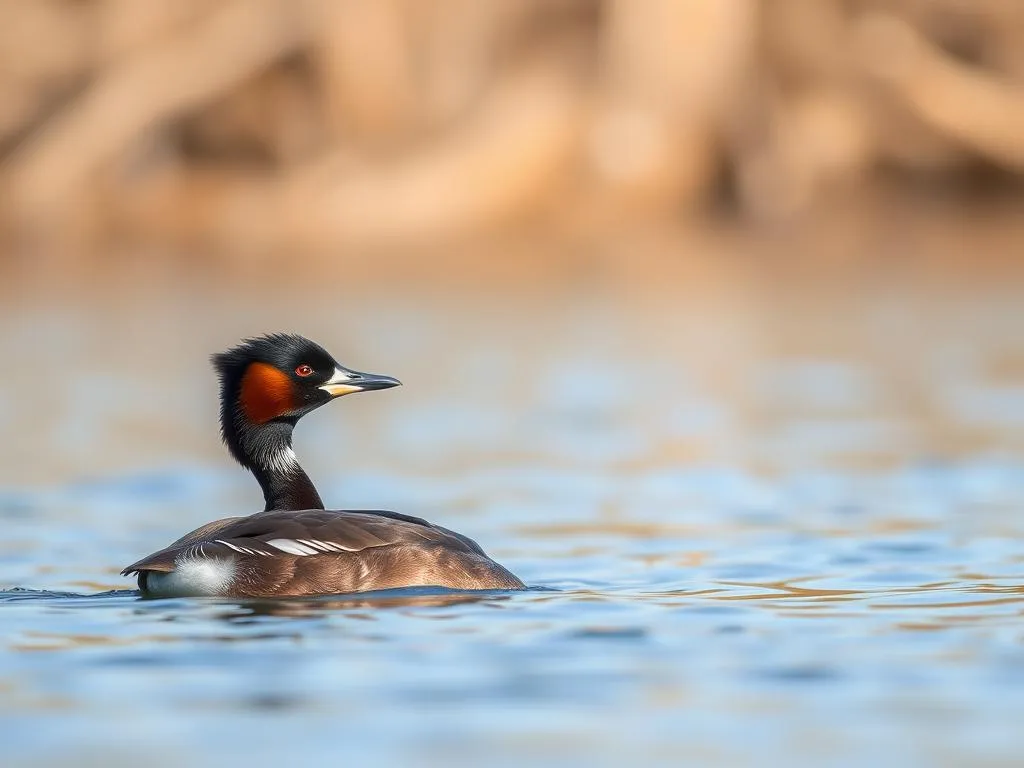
(266, 393)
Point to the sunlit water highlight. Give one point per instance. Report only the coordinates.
(770, 536)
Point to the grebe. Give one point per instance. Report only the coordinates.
(295, 547)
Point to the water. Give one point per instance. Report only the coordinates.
(762, 526)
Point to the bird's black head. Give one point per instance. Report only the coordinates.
(282, 377)
(267, 385)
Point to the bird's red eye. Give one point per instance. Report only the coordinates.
(304, 370)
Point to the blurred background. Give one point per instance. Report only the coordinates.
(176, 175)
(273, 127)
(710, 315)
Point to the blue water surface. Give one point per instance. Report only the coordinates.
(748, 543)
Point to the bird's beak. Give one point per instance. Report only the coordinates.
(345, 382)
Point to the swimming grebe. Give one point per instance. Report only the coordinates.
(296, 547)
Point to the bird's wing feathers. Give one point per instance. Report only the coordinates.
(304, 533)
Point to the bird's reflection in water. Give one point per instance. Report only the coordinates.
(307, 607)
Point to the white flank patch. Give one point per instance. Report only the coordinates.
(240, 548)
(330, 546)
(303, 547)
(192, 577)
(293, 547)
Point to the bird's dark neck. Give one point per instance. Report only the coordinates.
(286, 486)
(266, 451)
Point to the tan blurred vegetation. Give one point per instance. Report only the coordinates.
(322, 123)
